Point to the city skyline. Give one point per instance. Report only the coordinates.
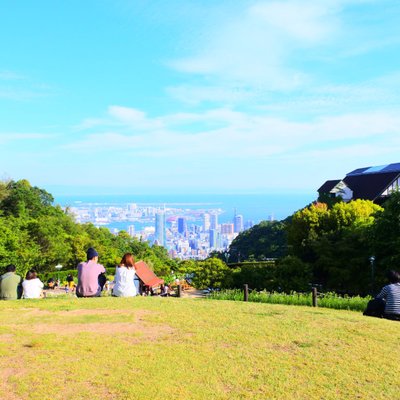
(187, 233)
(120, 97)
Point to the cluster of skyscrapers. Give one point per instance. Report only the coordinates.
(186, 240)
(186, 232)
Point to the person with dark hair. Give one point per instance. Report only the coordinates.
(51, 283)
(32, 286)
(70, 283)
(88, 275)
(391, 294)
(125, 277)
(10, 284)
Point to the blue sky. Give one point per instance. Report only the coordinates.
(137, 96)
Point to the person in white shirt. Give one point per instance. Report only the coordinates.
(32, 286)
(124, 284)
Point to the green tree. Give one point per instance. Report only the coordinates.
(264, 240)
(24, 200)
(212, 273)
(386, 237)
(259, 275)
(305, 227)
(292, 274)
(336, 242)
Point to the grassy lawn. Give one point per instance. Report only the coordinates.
(114, 348)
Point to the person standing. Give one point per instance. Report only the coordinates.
(88, 275)
(32, 286)
(10, 284)
(125, 277)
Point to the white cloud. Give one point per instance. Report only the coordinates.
(253, 48)
(234, 134)
(276, 51)
(226, 149)
(194, 95)
(297, 20)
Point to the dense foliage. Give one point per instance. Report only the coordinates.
(329, 245)
(36, 234)
(262, 241)
(326, 244)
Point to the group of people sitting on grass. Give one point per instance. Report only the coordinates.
(12, 286)
(91, 280)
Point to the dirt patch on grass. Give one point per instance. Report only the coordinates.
(81, 312)
(102, 328)
(7, 388)
(34, 311)
(6, 337)
(139, 330)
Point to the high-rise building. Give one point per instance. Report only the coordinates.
(131, 230)
(213, 238)
(132, 207)
(238, 223)
(206, 222)
(193, 244)
(160, 228)
(226, 229)
(182, 226)
(249, 224)
(214, 221)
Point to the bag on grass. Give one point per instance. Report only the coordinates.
(375, 308)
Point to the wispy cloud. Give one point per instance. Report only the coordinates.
(18, 87)
(281, 52)
(10, 76)
(237, 134)
(254, 47)
(7, 137)
(256, 150)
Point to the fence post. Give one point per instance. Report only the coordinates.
(314, 297)
(246, 292)
(178, 291)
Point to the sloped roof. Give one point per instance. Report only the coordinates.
(146, 275)
(369, 186)
(328, 186)
(380, 169)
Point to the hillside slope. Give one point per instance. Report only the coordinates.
(115, 348)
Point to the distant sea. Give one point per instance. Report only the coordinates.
(256, 208)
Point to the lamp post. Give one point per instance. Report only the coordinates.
(58, 267)
(226, 254)
(372, 261)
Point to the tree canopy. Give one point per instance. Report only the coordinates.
(36, 234)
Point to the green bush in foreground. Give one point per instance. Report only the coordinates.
(326, 300)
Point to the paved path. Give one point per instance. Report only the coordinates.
(192, 292)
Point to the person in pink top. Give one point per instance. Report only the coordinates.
(88, 275)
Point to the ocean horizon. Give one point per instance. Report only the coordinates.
(253, 207)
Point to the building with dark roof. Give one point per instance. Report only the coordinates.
(369, 183)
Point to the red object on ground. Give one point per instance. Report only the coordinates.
(146, 275)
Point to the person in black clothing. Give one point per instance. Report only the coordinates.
(102, 280)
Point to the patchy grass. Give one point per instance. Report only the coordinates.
(115, 348)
